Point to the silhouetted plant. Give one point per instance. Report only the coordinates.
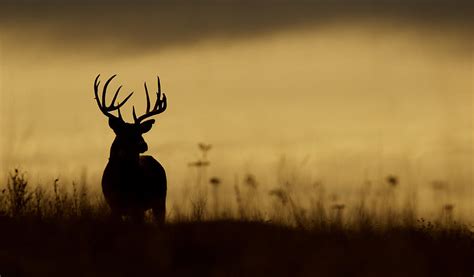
(364, 218)
(251, 181)
(39, 199)
(178, 214)
(248, 198)
(202, 163)
(199, 201)
(240, 204)
(75, 200)
(18, 193)
(281, 195)
(338, 209)
(438, 185)
(63, 204)
(204, 149)
(299, 214)
(199, 164)
(215, 182)
(199, 206)
(448, 213)
(318, 215)
(85, 206)
(3, 202)
(392, 180)
(282, 212)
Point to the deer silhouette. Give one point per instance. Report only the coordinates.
(132, 183)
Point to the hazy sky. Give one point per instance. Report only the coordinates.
(368, 88)
(114, 27)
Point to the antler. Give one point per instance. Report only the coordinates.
(102, 106)
(159, 107)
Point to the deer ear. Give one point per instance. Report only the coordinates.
(116, 124)
(146, 126)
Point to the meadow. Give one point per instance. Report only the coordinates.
(64, 229)
(369, 102)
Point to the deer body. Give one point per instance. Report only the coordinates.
(133, 183)
(131, 188)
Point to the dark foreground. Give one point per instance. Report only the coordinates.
(227, 248)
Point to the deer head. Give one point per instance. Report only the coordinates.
(129, 141)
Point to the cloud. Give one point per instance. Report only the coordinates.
(143, 26)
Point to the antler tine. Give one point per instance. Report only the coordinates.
(123, 102)
(159, 83)
(147, 99)
(135, 115)
(96, 91)
(158, 93)
(162, 103)
(112, 107)
(104, 91)
(159, 107)
(115, 96)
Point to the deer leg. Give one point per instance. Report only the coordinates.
(159, 211)
(138, 216)
(115, 216)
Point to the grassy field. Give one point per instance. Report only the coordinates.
(228, 248)
(56, 232)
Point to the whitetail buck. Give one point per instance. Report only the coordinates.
(132, 183)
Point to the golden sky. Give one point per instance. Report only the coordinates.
(368, 92)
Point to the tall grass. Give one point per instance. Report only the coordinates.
(55, 201)
(59, 201)
(252, 232)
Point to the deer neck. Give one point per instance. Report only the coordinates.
(122, 157)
